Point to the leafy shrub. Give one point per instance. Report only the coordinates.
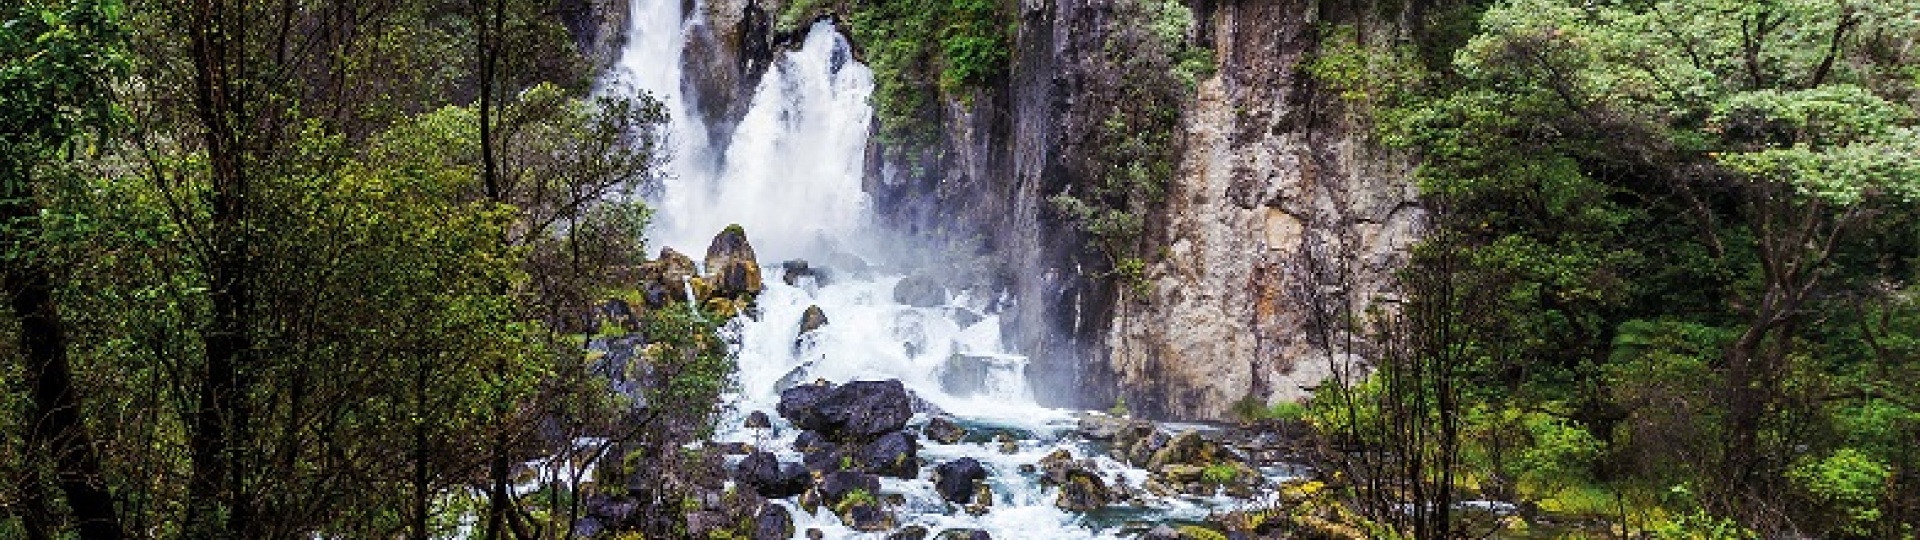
(1849, 482)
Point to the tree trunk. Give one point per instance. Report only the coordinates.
(54, 416)
(217, 506)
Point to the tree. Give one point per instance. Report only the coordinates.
(61, 60)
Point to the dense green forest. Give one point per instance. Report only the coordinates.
(286, 269)
(1670, 281)
(325, 268)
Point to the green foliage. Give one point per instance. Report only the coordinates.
(1196, 532)
(1699, 526)
(1852, 484)
(1119, 408)
(1220, 473)
(61, 59)
(1634, 185)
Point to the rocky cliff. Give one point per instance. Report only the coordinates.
(1271, 167)
(1267, 163)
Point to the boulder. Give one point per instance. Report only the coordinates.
(1188, 448)
(794, 272)
(954, 479)
(895, 454)
(1083, 491)
(982, 499)
(675, 267)
(729, 246)
(813, 319)
(834, 487)
(854, 412)
(737, 279)
(1054, 467)
(798, 402)
(815, 534)
(731, 263)
(944, 430)
(704, 523)
(766, 475)
(919, 291)
(963, 534)
(1142, 450)
(617, 312)
(910, 532)
(758, 420)
(773, 522)
(866, 516)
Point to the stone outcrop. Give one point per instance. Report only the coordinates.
(1272, 165)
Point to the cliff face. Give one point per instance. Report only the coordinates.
(1271, 165)
(1268, 164)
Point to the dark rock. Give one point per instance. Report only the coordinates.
(919, 291)
(954, 479)
(966, 375)
(618, 312)
(1054, 467)
(1083, 491)
(943, 429)
(730, 260)
(1142, 451)
(659, 294)
(895, 454)
(764, 473)
(856, 411)
(1189, 448)
(675, 268)
(910, 532)
(835, 486)
(737, 279)
(825, 457)
(772, 523)
(815, 534)
(703, 523)
(867, 517)
(813, 319)
(795, 271)
(758, 420)
(808, 441)
(798, 402)
(729, 246)
(963, 534)
(1008, 443)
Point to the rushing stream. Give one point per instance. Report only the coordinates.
(791, 176)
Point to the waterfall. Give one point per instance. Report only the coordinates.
(791, 176)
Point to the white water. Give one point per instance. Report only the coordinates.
(791, 176)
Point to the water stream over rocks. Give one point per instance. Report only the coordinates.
(945, 439)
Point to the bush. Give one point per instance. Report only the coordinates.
(1850, 483)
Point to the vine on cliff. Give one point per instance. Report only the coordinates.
(1125, 147)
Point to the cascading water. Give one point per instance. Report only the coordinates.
(791, 176)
